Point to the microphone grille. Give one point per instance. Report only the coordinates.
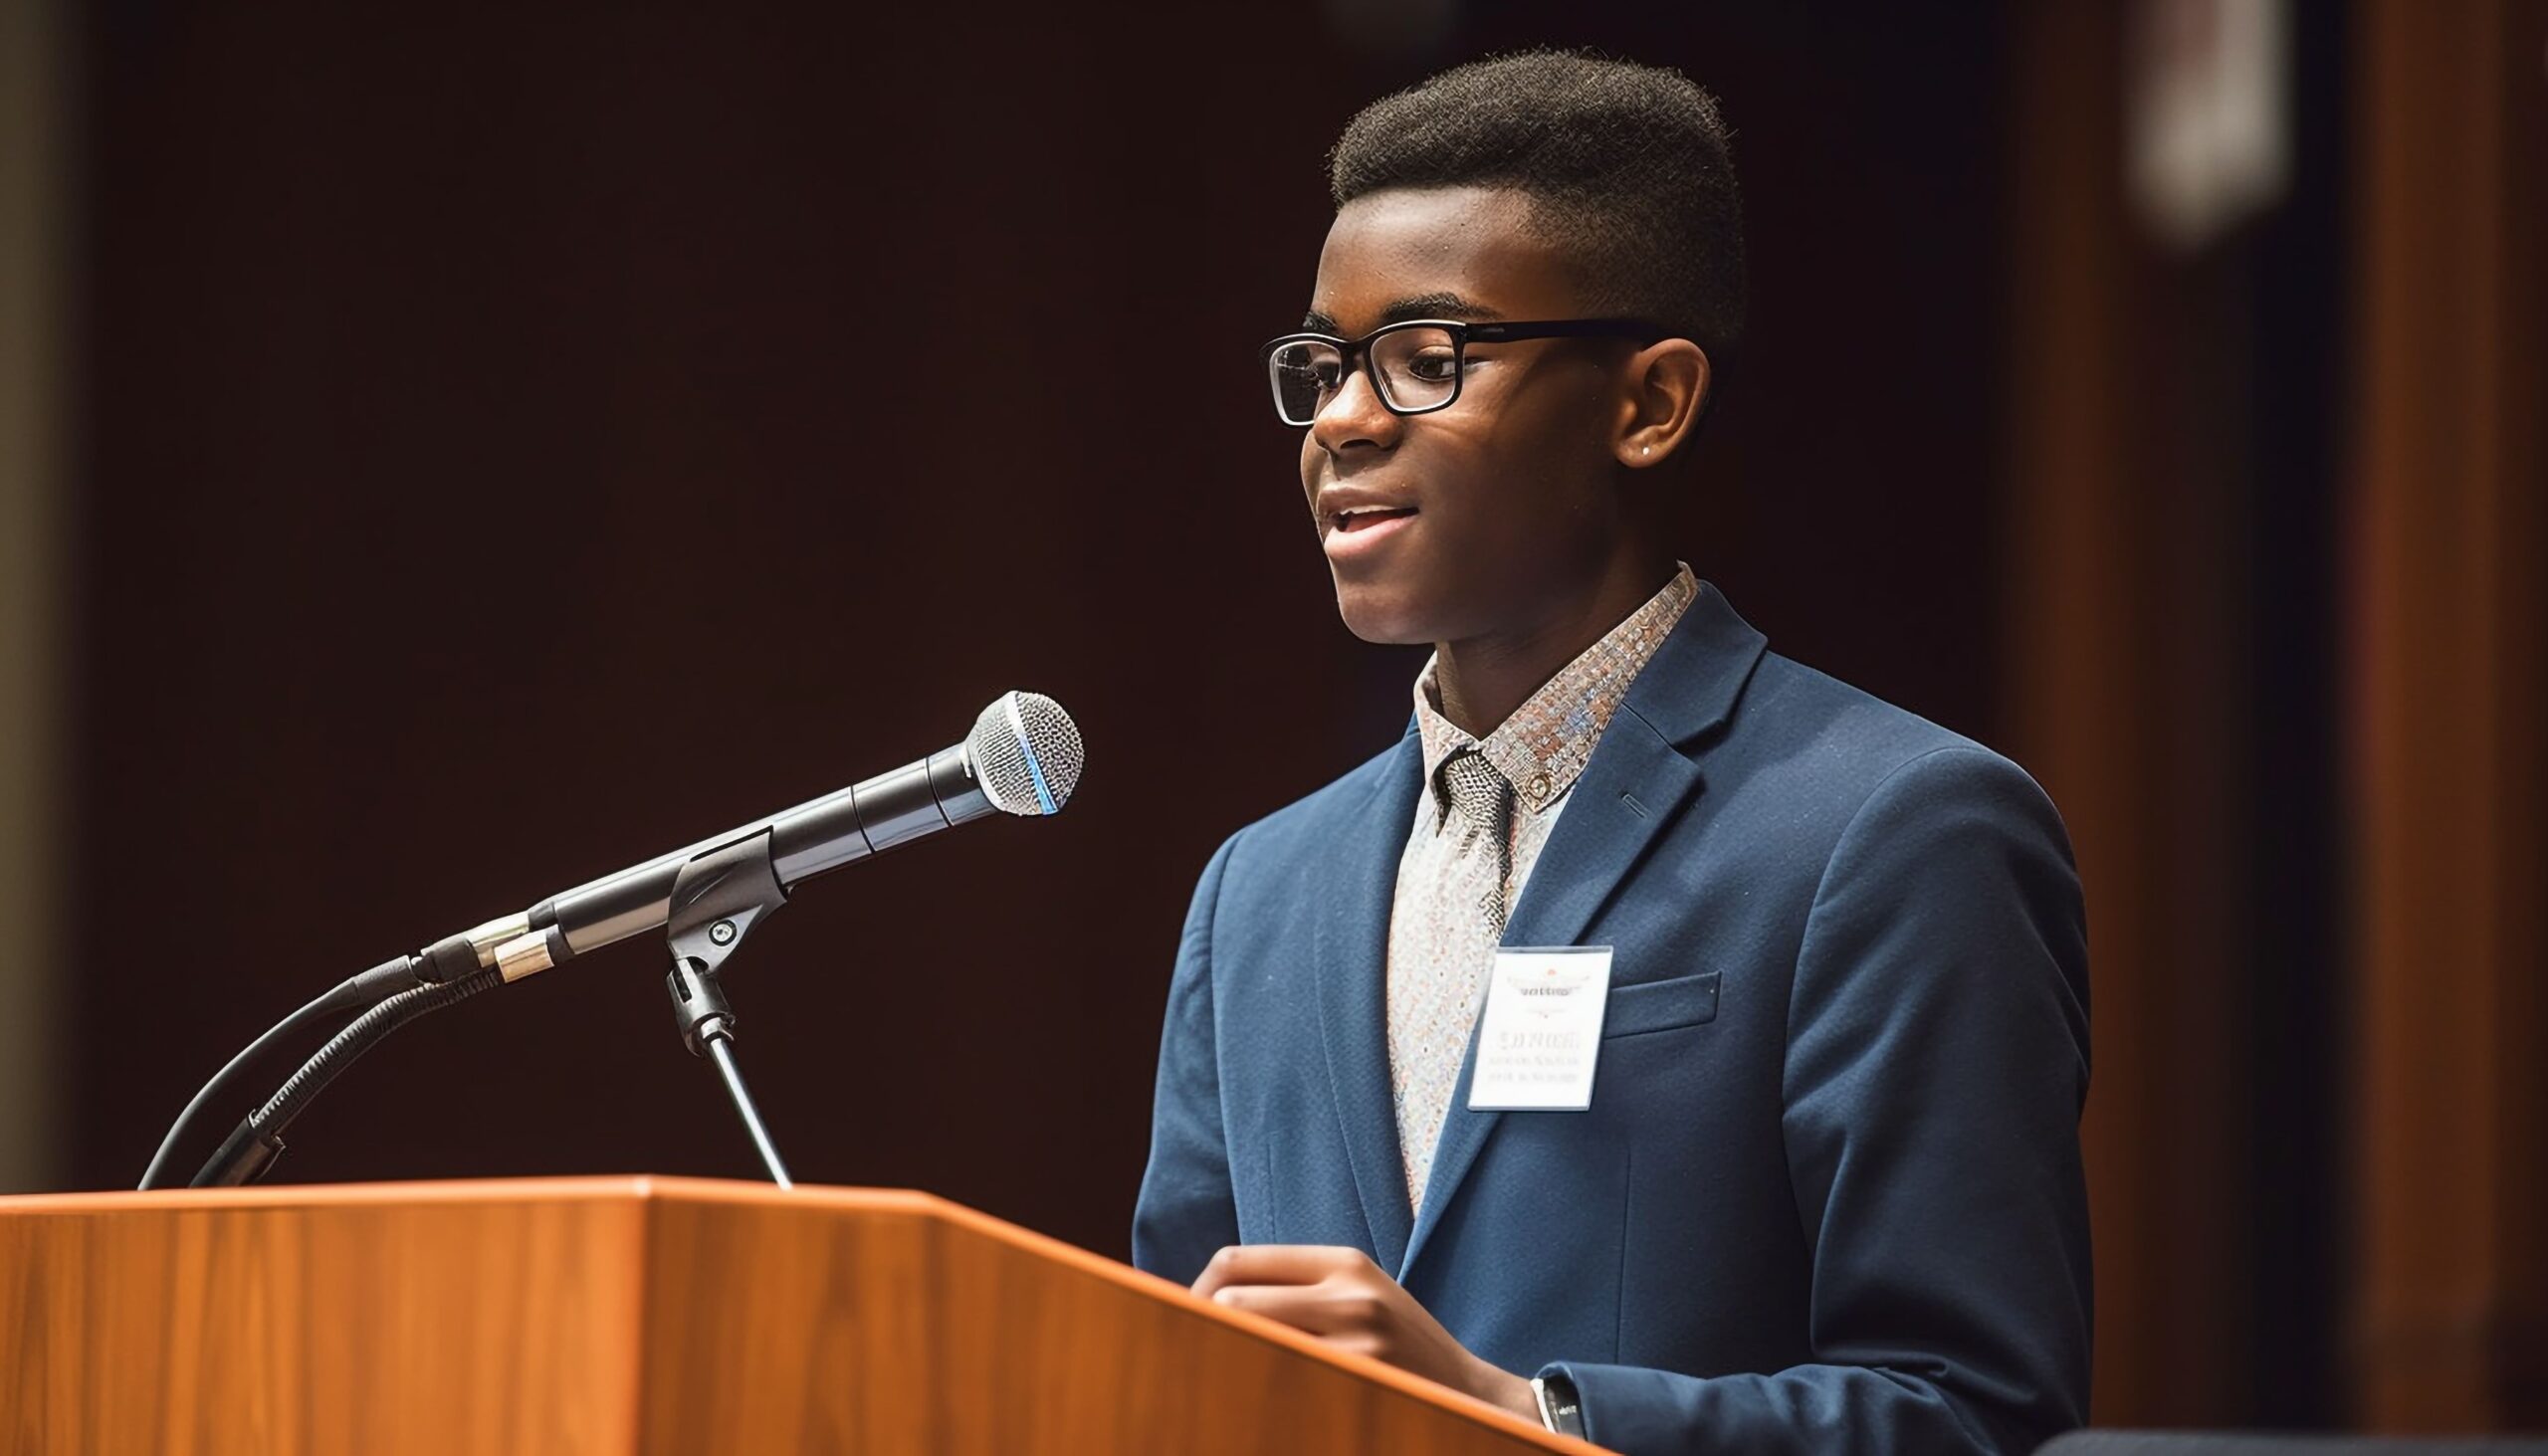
(1025, 754)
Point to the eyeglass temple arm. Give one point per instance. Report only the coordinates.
(1566, 328)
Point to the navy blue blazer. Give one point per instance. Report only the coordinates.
(1828, 1195)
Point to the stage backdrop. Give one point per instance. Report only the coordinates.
(519, 447)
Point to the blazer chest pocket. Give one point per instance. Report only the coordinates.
(1684, 1000)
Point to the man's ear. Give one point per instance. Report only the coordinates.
(1667, 384)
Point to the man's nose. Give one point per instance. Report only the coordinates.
(1353, 415)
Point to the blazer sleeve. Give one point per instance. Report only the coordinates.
(1186, 1212)
(1937, 1063)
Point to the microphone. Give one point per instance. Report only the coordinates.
(1022, 757)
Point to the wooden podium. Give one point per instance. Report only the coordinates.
(647, 1315)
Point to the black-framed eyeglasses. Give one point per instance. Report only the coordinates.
(1416, 366)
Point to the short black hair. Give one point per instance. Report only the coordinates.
(1630, 166)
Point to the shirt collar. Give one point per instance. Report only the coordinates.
(1542, 748)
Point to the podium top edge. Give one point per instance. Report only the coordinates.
(646, 1191)
(604, 1189)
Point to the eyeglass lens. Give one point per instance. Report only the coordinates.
(1414, 369)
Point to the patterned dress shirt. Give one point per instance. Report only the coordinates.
(1441, 941)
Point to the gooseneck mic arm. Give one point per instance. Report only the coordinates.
(256, 1141)
(369, 988)
(444, 961)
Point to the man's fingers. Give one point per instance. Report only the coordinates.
(1274, 1264)
(1340, 1297)
(1311, 1308)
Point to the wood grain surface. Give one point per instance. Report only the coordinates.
(491, 1318)
(654, 1314)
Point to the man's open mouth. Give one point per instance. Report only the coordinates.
(1362, 517)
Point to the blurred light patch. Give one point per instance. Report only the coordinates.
(2209, 129)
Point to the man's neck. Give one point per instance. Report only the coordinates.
(1483, 680)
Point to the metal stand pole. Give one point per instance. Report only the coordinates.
(717, 899)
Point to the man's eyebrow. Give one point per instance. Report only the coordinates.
(1436, 306)
(1421, 306)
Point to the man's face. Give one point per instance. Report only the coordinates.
(1510, 507)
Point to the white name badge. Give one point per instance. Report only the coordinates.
(1540, 1032)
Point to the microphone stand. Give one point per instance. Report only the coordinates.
(718, 898)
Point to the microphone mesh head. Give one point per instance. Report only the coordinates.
(1025, 754)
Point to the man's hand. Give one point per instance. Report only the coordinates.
(1343, 1297)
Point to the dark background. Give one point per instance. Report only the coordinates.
(517, 444)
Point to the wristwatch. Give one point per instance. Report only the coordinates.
(1559, 1409)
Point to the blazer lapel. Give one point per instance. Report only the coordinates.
(1353, 996)
(1642, 774)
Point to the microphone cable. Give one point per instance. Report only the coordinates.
(367, 988)
(258, 1139)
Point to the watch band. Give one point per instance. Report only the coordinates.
(1560, 1410)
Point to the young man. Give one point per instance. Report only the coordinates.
(1826, 1195)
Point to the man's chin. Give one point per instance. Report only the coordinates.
(1384, 619)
